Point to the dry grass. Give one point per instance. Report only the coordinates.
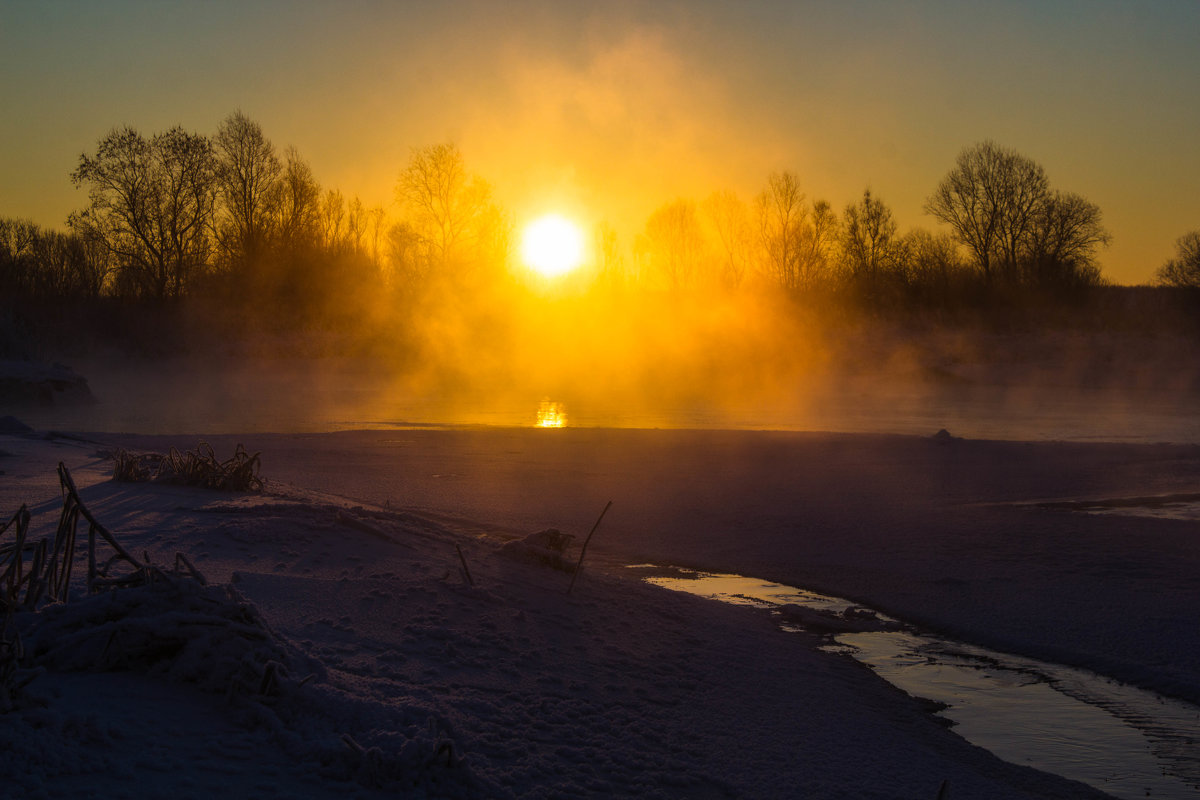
(199, 467)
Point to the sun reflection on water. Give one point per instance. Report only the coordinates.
(551, 414)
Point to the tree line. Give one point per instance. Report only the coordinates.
(233, 218)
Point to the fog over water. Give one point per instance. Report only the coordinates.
(297, 396)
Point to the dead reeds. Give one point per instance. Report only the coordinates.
(199, 467)
(31, 572)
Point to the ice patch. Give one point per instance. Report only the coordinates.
(1125, 741)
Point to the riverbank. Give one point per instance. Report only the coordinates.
(621, 688)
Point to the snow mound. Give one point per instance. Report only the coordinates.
(29, 383)
(212, 639)
(944, 436)
(547, 547)
(208, 636)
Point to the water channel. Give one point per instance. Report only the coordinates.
(1125, 741)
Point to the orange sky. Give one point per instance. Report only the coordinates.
(606, 111)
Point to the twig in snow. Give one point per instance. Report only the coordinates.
(583, 550)
(466, 572)
(182, 561)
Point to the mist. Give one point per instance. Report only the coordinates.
(293, 306)
(646, 360)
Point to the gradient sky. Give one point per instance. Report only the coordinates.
(606, 110)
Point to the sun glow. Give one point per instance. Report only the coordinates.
(552, 245)
(551, 414)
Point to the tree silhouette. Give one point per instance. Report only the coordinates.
(297, 207)
(334, 229)
(989, 199)
(795, 241)
(730, 219)
(675, 242)
(869, 242)
(248, 173)
(49, 264)
(817, 243)
(610, 264)
(18, 238)
(1000, 206)
(1060, 247)
(781, 221)
(1184, 269)
(450, 210)
(151, 204)
(934, 263)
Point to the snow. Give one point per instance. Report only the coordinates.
(32, 383)
(395, 677)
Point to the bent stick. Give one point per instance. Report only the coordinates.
(583, 550)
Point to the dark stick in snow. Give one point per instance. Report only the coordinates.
(466, 572)
(583, 550)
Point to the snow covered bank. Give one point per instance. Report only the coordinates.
(619, 689)
(26, 384)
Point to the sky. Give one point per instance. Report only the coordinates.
(605, 111)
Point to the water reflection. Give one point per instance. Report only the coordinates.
(307, 395)
(551, 414)
(1120, 739)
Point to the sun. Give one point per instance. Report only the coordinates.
(552, 245)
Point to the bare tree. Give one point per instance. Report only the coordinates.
(96, 267)
(782, 217)
(1060, 247)
(933, 261)
(297, 204)
(151, 203)
(675, 242)
(492, 242)
(406, 266)
(990, 199)
(869, 242)
(248, 172)
(334, 234)
(375, 234)
(795, 239)
(18, 238)
(730, 219)
(1184, 269)
(59, 259)
(450, 210)
(356, 226)
(611, 265)
(817, 244)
